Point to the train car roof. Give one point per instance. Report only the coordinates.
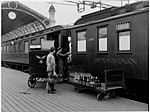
(56, 28)
(111, 13)
(50, 30)
(144, 9)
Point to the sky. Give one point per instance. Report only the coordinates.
(66, 14)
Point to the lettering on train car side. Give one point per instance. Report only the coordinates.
(116, 61)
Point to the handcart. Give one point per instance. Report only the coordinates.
(37, 63)
(113, 81)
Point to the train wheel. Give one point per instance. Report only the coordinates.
(100, 96)
(31, 81)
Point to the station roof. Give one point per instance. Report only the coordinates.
(18, 20)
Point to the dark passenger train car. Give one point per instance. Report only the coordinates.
(15, 51)
(116, 38)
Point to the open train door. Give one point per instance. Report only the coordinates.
(64, 44)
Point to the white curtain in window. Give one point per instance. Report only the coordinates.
(102, 44)
(82, 45)
(124, 41)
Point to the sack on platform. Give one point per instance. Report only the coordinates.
(47, 86)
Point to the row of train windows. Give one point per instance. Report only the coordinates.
(123, 40)
(16, 48)
(20, 47)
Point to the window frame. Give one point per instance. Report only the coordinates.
(98, 44)
(41, 38)
(2, 49)
(20, 47)
(7, 47)
(11, 48)
(127, 27)
(15, 47)
(25, 47)
(118, 42)
(33, 41)
(81, 52)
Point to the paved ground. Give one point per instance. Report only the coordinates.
(65, 99)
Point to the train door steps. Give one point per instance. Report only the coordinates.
(65, 99)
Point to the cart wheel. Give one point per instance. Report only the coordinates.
(113, 95)
(31, 81)
(78, 89)
(100, 97)
(75, 88)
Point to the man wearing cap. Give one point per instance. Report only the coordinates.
(51, 71)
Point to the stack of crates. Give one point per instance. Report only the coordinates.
(73, 70)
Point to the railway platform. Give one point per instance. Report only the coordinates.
(65, 99)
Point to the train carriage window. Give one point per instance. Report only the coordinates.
(81, 41)
(15, 47)
(102, 39)
(26, 46)
(7, 48)
(11, 48)
(41, 40)
(20, 47)
(2, 49)
(33, 41)
(124, 41)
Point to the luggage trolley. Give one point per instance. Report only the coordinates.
(113, 80)
(37, 63)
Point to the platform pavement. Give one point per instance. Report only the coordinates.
(65, 99)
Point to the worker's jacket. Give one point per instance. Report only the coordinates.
(50, 62)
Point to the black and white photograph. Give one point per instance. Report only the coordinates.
(74, 55)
